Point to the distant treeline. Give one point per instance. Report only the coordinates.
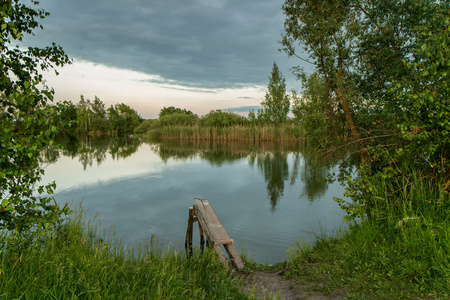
(271, 122)
(177, 123)
(92, 117)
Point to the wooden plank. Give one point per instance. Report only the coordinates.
(221, 255)
(235, 258)
(213, 226)
(210, 225)
(202, 239)
(189, 232)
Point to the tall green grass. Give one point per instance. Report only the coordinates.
(401, 251)
(285, 132)
(80, 261)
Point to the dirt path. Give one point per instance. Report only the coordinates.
(271, 285)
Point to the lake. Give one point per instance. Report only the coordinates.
(267, 195)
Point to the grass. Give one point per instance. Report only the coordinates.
(80, 261)
(401, 252)
(283, 132)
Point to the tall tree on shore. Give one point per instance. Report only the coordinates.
(29, 122)
(84, 114)
(276, 102)
(123, 118)
(326, 31)
(360, 47)
(385, 65)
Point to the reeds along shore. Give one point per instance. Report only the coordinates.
(287, 132)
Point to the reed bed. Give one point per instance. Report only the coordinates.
(285, 132)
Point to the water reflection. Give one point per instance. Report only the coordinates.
(314, 178)
(90, 149)
(267, 194)
(275, 168)
(270, 159)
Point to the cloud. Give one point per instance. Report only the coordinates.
(245, 109)
(197, 43)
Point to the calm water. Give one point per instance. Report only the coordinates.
(267, 196)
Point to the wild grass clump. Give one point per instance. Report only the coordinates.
(78, 260)
(401, 251)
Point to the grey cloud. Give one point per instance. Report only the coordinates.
(201, 43)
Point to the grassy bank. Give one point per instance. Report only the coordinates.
(285, 132)
(78, 261)
(401, 252)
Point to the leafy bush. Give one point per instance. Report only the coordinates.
(178, 119)
(218, 118)
(148, 125)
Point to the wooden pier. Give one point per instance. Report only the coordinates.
(216, 236)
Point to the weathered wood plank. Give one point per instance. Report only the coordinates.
(235, 258)
(209, 218)
(221, 255)
(212, 229)
(189, 232)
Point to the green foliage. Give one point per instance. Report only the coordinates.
(123, 118)
(178, 119)
(424, 98)
(91, 116)
(68, 115)
(84, 114)
(218, 118)
(147, 125)
(174, 116)
(276, 103)
(173, 110)
(317, 117)
(29, 123)
(390, 81)
(400, 252)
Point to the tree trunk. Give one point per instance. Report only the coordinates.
(348, 117)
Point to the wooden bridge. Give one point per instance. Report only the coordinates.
(216, 236)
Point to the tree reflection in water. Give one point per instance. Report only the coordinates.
(271, 160)
(90, 149)
(275, 168)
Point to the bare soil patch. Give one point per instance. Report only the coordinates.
(273, 286)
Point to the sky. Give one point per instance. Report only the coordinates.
(149, 54)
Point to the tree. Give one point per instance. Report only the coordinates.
(313, 110)
(385, 65)
(84, 114)
(326, 31)
(218, 118)
(359, 47)
(174, 110)
(276, 103)
(123, 118)
(174, 116)
(68, 115)
(29, 123)
(423, 96)
(99, 121)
